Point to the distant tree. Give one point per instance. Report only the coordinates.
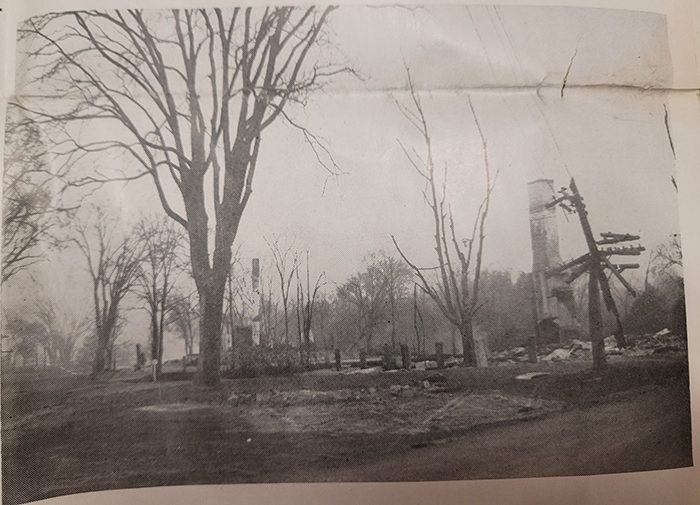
(268, 310)
(506, 314)
(60, 331)
(670, 255)
(662, 301)
(113, 265)
(24, 335)
(669, 272)
(342, 325)
(648, 314)
(241, 303)
(453, 291)
(366, 291)
(30, 211)
(157, 275)
(678, 322)
(418, 322)
(182, 317)
(85, 356)
(285, 262)
(397, 276)
(306, 302)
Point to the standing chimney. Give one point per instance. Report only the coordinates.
(556, 311)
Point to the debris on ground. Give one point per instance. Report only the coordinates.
(435, 383)
(665, 349)
(578, 345)
(511, 354)
(532, 375)
(374, 369)
(661, 342)
(450, 362)
(610, 342)
(426, 365)
(409, 411)
(395, 390)
(436, 377)
(558, 355)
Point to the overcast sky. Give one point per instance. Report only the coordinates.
(607, 130)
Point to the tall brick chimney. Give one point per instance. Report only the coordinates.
(556, 310)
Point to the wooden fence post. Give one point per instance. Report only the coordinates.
(405, 357)
(388, 358)
(439, 355)
(338, 364)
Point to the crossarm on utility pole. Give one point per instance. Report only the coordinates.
(565, 266)
(623, 251)
(619, 276)
(616, 238)
(578, 272)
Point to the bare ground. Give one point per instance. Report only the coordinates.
(65, 434)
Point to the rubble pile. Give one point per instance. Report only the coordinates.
(638, 345)
(661, 342)
(515, 354)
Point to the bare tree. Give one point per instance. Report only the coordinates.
(113, 265)
(418, 322)
(367, 291)
(268, 311)
(61, 331)
(323, 307)
(112, 346)
(241, 302)
(306, 301)
(183, 316)
(397, 276)
(24, 336)
(30, 211)
(452, 290)
(670, 256)
(285, 271)
(156, 277)
(193, 91)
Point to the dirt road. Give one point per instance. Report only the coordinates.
(643, 430)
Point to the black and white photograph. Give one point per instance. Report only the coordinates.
(324, 244)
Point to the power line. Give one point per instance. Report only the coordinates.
(505, 102)
(537, 105)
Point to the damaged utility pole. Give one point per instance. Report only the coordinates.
(595, 262)
(595, 318)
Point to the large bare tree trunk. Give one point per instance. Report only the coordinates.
(98, 366)
(467, 332)
(211, 286)
(104, 333)
(211, 301)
